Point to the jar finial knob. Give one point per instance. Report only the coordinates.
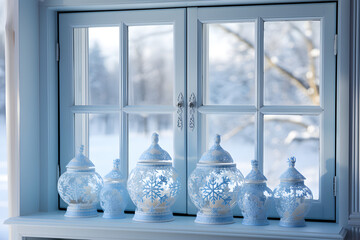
(155, 138)
(116, 163)
(81, 150)
(254, 164)
(217, 139)
(291, 161)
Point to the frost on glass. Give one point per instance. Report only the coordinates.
(151, 65)
(286, 136)
(96, 65)
(237, 136)
(99, 133)
(141, 127)
(230, 63)
(292, 54)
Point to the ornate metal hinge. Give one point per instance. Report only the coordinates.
(180, 110)
(192, 105)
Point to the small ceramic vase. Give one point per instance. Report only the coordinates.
(153, 185)
(255, 198)
(214, 186)
(113, 196)
(80, 186)
(292, 198)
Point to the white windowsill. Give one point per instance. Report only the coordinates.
(55, 225)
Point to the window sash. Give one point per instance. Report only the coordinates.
(324, 208)
(123, 19)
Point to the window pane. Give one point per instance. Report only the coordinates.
(100, 135)
(237, 137)
(151, 65)
(96, 65)
(292, 62)
(287, 136)
(230, 73)
(141, 127)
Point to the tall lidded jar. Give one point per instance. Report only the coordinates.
(80, 186)
(113, 196)
(255, 197)
(214, 186)
(154, 184)
(292, 198)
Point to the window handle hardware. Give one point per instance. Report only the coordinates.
(180, 110)
(192, 105)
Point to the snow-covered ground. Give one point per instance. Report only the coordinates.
(3, 181)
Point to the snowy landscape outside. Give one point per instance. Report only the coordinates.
(291, 77)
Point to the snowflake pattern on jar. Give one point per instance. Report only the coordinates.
(154, 185)
(214, 186)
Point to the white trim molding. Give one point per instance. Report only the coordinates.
(354, 218)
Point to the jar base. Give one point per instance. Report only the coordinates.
(151, 217)
(114, 215)
(256, 222)
(81, 211)
(299, 223)
(214, 219)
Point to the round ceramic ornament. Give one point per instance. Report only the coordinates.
(292, 198)
(154, 185)
(255, 197)
(214, 186)
(80, 186)
(113, 196)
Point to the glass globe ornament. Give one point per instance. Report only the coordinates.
(80, 186)
(292, 198)
(255, 197)
(214, 186)
(154, 185)
(113, 196)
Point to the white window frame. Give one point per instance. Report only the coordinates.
(32, 127)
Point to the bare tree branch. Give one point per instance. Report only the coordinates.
(312, 68)
(302, 85)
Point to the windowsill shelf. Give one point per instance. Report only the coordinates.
(55, 225)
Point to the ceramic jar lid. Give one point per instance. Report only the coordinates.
(115, 174)
(155, 154)
(292, 174)
(255, 176)
(216, 155)
(80, 162)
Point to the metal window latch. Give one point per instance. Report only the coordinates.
(192, 105)
(335, 44)
(180, 107)
(334, 186)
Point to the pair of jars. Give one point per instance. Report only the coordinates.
(153, 187)
(82, 188)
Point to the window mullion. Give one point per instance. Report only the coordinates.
(259, 53)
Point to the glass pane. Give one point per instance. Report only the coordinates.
(99, 133)
(141, 127)
(151, 65)
(292, 62)
(230, 73)
(237, 137)
(96, 65)
(287, 136)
